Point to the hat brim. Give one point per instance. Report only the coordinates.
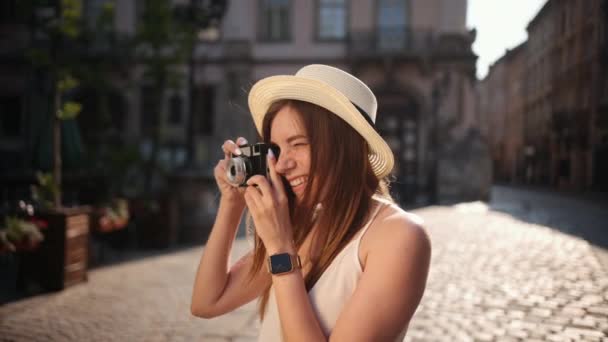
(271, 89)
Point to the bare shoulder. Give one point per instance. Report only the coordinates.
(393, 280)
(396, 232)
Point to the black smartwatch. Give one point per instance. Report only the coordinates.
(283, 263)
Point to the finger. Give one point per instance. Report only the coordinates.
(249, 203)
(275, 178)
(222, 165)
(220, 169)
(252, 198)
(241, 141)
(230, 146)
(263, 185)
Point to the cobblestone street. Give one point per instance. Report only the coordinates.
(499, 272)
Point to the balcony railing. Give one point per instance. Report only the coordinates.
(408, 42)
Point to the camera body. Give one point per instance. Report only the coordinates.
(252, 161)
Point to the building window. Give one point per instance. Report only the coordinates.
(331, 19)
(274, 20)
(392, 24)
(204, 109)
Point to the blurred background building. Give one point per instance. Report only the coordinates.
(415, 55)
(545, 101)
(162, 84)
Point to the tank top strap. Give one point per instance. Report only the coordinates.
(379, 206)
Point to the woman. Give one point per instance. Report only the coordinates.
(344, 263)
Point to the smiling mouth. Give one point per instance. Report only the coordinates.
(298, 183)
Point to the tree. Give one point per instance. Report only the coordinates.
(166, 38)
(58, 29)
(73, 51)
(196, 16)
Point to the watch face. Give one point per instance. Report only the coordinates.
(280, 263)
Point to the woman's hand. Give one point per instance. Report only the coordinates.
(269, 207)
(229, 192)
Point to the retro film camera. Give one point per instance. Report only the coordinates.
(251, 162)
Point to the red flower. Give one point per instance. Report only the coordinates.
(40, 223)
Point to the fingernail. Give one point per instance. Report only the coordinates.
(237, 151)
(243, 141)
(270, 154)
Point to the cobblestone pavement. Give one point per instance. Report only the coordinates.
(497, 274)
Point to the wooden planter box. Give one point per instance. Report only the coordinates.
(61, 260)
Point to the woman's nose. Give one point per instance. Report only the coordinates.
(284, 164)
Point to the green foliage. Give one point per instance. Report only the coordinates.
(60, 45)
(71, 16)
(118, 210)
(69, 110)
(45, 191)
(165, 38)
(105, 20)
(67, 82)
(17, 230)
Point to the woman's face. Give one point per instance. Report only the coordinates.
(287, 131)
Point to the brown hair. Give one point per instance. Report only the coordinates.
(338, 160)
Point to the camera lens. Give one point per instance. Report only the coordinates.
(236, 171)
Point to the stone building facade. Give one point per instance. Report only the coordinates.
(556, 84)
(576, 81)
(415, 55)
(501, 101)
(513, 167)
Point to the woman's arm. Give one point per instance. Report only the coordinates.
(386, 296)
(217, 291)
(392, 283)
(267, 201)
(298, 320)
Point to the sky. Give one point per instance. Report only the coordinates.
(501, 25)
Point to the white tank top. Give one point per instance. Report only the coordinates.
(330, 293)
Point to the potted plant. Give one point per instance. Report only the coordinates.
(19, 235)
(61, 258)
(60, 50)
(111, 217)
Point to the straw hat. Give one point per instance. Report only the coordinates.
(335, 90)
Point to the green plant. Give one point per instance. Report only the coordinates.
(18, 232)
(118, 210)
(45, 191)
(113, 216)
(53, 53)
(73, 52)
(166, 38)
